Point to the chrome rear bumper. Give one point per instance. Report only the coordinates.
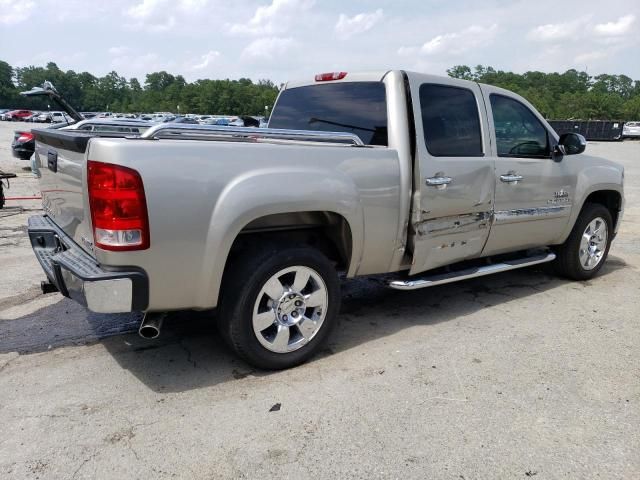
(78, 276)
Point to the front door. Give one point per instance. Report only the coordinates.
(453, 173)
(533, 191)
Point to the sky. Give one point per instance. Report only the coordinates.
(295, 39)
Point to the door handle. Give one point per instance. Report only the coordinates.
(439, 181)
(511, 177)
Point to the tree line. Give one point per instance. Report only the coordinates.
(568, 95)
(161, 91)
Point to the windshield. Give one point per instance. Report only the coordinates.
(359, 108)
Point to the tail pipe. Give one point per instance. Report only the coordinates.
(151, 325)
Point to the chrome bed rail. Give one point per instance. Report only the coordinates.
(220, 133)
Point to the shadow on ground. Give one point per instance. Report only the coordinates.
(191, 355)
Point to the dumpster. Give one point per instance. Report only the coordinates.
(607, 130)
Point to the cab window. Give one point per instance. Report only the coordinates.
(450, 121)
(353, 107)
(519, 133)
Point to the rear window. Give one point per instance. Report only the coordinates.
(359, 108)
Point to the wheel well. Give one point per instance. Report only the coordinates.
(329, 232)
(610, 199)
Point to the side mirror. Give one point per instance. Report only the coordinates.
(572, 143)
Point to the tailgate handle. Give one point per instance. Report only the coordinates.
(52, 161)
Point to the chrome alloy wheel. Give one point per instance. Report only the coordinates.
(593, 243)
(290, 309)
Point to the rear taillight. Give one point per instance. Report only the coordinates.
(24, 137)
(326, 77)
(118, 207)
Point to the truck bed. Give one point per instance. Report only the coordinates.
(201, 194)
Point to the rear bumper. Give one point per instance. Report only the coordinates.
(23, 153)
(78, 276)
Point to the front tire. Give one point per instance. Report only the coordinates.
(279, 305)
(582, 255)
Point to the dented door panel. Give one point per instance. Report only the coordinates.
(450, 221)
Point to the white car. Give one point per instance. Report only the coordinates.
(53, 117)
(631, 130)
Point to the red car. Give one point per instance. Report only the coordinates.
(19, 115)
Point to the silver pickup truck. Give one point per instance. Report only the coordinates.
(433, 179)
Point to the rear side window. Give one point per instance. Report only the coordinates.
(450, 121)
(359, 108)
(519, 133)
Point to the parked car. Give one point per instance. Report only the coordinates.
(410, 175)
(236, 122)
(223, 122)
(23, 145)
(186, 120)
(3, 112)
(631, 130)
(32, 117)
(18, 115)
(53, 117)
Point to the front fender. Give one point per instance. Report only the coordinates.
(270, 191)
(589, 180)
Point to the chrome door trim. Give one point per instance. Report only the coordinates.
(526, 214)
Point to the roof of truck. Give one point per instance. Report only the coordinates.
(374, 76)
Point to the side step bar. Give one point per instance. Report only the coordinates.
(441, 279)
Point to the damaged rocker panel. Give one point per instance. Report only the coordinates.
(480, 220)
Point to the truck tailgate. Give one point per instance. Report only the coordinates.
(60, 158)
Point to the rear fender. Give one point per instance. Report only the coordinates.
(272, 191)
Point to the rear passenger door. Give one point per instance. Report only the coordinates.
(453, 172)
(533, 192)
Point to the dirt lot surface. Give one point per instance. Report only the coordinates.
(518, 375)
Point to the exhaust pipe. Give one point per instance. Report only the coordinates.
(151, 325)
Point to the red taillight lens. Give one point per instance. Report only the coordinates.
(118, 207)
(25, 137)
(326, 77)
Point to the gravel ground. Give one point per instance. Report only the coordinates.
(518, 375)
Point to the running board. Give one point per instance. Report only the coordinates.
(471, 272)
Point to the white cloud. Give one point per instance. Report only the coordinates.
(296, 38)
(408, 51)
(581, 28)
(586, 58)
(119, 51)
(273, 18)
(454, 43)
(152, 15)
(15, 11)
(267, 48)
(163, 15)
(206, 60)
(621, 27)
(558, 31)
(141, 64)
(360, 23)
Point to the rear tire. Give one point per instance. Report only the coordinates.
(582, 255)
(279, 305)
